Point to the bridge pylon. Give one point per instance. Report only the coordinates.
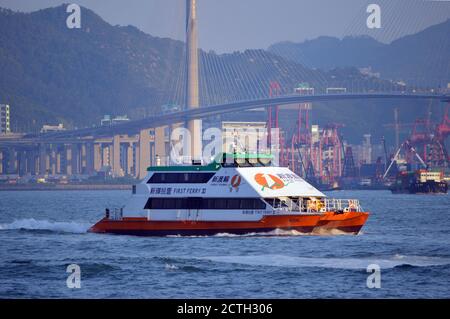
(192, 87)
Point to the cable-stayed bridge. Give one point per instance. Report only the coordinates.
(207, 111)
(207, 85)
(133, 146)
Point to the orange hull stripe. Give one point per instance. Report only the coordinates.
(284, 221)
(350, 219)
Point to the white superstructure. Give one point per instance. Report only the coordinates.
(222, 192)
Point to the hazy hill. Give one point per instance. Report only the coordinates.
(53, 74)
(419, 59)
(50, 72)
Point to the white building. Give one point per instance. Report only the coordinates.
(52, 128)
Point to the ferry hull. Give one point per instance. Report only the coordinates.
(347, 222)
(144, 227)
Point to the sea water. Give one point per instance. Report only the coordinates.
(42, 233)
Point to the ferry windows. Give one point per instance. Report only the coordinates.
(205, 203)
(180, 203)
(265, 161)
(155, 203)
(254, 161)
(245, 203)
(254, 203)
(246, 162)
(172, 178)
(228, 161)
(242, 162)
(194, 203)
(234, 203)
(180, 178)
(217, 203)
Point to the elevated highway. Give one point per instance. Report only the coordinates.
(129, 148)
(133, 127)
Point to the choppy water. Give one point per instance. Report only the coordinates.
(41, 233)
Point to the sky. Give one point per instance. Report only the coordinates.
(231, 25)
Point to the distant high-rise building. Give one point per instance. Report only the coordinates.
(5, 119)
(367, 149)
(363, 153)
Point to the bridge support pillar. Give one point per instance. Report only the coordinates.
(160, 145)
(68, 160)
(130, 158)
(105, 155)
(29, 155)
(13, 164)
(1, 162)
(52, 155)
(31, 161)
(144, 152)
(74, 159)
(116, 167)
(24, 167)
(90, 153)
(43, 160)
(137, 165)
(83, 158)
(98, 156)
(22, 162)
(59, 150)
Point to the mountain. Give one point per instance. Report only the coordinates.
(421, 59)
(52, 74)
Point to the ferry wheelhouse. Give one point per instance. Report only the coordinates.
(237, 193)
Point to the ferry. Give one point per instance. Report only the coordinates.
(237, 193)
(420, 182)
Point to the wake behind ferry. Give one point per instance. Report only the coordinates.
(237, 193)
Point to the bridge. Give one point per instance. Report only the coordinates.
(207, 111)
(129, 148)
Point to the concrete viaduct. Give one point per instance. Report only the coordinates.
(129, 148)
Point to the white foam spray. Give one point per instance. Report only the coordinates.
(33, 224)
(334, 263)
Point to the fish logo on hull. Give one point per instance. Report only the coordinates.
(269, 181)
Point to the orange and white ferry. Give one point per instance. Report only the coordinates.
(237, 193)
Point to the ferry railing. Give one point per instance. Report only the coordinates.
(114, 214)
(321, 205)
